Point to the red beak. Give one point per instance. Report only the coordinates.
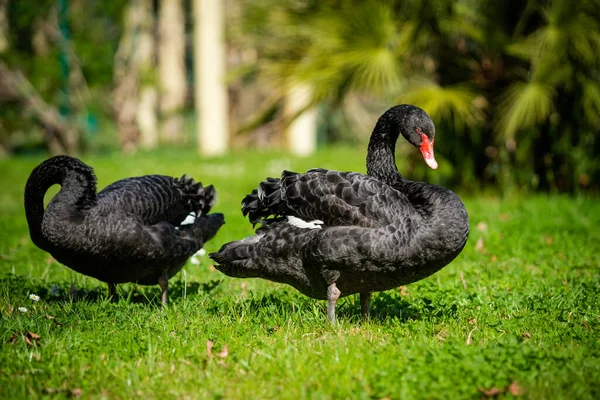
(427, 151)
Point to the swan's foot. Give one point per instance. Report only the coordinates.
(163, 281)
(112, 290)
(365, 305)
(333, 293)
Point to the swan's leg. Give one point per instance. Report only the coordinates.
(163, 281)
(112, 290)
(333, 293)
(365, 304)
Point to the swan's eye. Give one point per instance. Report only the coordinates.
(419, 130)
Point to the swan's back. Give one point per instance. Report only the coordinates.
(333, 197)
(156, 198)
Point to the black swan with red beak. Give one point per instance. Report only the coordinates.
(140, 229)
(331, 234)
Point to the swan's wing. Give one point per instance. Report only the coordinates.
(156, 198)
(335, 198)
(121, 237)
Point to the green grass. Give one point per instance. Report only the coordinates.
(519, 306)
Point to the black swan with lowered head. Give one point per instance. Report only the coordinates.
(331, 234)
(135, 230)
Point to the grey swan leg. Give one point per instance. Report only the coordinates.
(333, 293)
(365, 304)
(112, 290)
(163, 281)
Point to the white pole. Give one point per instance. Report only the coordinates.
(209, 69)
(302, 132)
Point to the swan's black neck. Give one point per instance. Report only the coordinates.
(381, 154)
(77, 193)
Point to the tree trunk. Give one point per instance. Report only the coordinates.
(59, 132)
(3, 26)
(148, 104)
(210, 89)
(135, 96)
(171, 67)
(302, 131)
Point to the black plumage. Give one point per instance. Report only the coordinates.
(131, 231)
(330, 234)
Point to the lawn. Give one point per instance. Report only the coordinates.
(516, 314)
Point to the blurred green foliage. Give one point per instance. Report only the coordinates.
(513, 86)
(35, 45)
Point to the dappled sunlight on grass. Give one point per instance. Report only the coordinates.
(517, 311)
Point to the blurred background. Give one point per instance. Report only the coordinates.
(513, 86)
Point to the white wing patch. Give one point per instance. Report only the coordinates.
(252, 239)
(297, 222)
(189, 220)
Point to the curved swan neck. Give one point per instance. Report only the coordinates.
(381, 153)
(78, 190)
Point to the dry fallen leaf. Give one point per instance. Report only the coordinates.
(526, 335)
(494, 258)
(209, 346)
(76, 392)
(53, 319)
(482, 226)
(403, 291)
(224, 352)
(504, 217)
(13, 338)
(479, 245)
(491, 392)
(212, 268)
(548, 240)
(514, 389)
(31, 337)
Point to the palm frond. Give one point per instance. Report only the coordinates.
(522, 106)
(455, 103)
(590, 101)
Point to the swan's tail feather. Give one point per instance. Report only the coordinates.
(210, 198)
(265, 201)
(201, 199)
